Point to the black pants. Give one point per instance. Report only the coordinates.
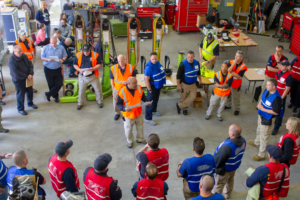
(45, 42)
(21, 90)
(278, 120)
(55, 80)
(295, 93)
(153, 96)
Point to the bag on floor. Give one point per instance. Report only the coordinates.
(257, 93)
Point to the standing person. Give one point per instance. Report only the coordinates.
(98, 185)
(43, 16)
(70, 58)
(284, 83)
(41, 39)
(21, 70)
(119, 74)
(155, 79)
(228, 157)
(223, 80)
(289, 143)
(159, 157)
(272, 66)
(53, 68)
(188, 71)
(209, 50)
(1, 97)
(2, 129)
(21, 161)
(295, 89)
(237, 69)
(192, 169)
(3, 175)
(206, 185)
(63, 174)
(90, 62)
(151, 187)
(129, 103)
(270, 176)
(268, 108)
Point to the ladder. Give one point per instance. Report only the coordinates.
(273, 13)
(243, 14)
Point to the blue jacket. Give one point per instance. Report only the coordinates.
(43, 18)
(214, 197)
(237, 152)
(190, 72)
(3, 172)
(267, 103)
(156, 74)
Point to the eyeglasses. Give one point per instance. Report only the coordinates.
(18, 51)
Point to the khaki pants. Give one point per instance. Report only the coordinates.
(227, 180)
(115, 97)
(1, 127)
(263, 134)
(187, 193)
(188, 96)
(263, 87)
(235, 97)
(128, 126)
(214, 100)
(83, 83)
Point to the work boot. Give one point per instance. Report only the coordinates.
(157, 114)
(274, 131)
(178, 109)
(3, 130)
(251, 143)
(258, 158)
(207, 117)
(117, 116)
(129, 145)
(227, 107)
(33, 106)
(22, 112)
(56, 100)
(34, 90)
(79, 107)
(142, 141)
(236, 112)
(152, 123)
(2, 103)
(220, 119)
(184, 112)
(100, 105)
(290, 105)
(295, 110)
(47, 96)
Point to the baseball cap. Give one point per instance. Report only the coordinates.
(21, 32)
(85, 48)
(209, 36)
(102, 161)
(274, 151)
(285, 62)
(62, 147)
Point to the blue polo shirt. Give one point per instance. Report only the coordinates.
(48, 51)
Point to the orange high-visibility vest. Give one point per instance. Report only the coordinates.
(222, 92)
(133, 102)
(94, 61)
(237, 82)
(27, 52)
(119, 78)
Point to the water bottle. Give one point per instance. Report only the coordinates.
(166, 29)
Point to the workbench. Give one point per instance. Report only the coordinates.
(252, 75)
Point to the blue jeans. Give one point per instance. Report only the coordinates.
(48, 29)
(21, 91)
(278, 120)
(70, 62)
(4, 196)
(153, 96)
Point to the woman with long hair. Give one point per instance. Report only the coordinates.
(289, 143)
(62, 17)
(41, 39)
(43, 16)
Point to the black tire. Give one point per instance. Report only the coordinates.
(69, 93)
(70, 86)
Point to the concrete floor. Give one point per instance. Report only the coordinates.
(94, 131)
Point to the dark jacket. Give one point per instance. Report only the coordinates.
(20, 68)
(67, 48)
(224, 153)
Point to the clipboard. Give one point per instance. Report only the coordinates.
(29, 83)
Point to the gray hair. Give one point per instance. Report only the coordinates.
(121, 56)
(240, 52)
(69, 40)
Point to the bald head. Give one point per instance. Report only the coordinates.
(206, 183)
(68, 41)
(20, 158)
(121, 61)
(17, 51)
(132, 83)
(235, 131)
(151, 171)
(53, 41)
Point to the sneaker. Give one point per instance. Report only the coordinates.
(2, 103)
(73, 76)
(79, 107)
(295, 110)
(220, 119)
(207, 117)
(274, 131)
(156, 114)
(290, 105)
(4, 130)
(47, 97)
(236, 112)
(142, 141)
(251, 143)
(100, 105)
(152, 123)
(117, 116)
(56, 100)
(22, 112)
(184, 112)
(178, 109)
(33, 106)
(129, 145)
(258, 158)
(227, 107)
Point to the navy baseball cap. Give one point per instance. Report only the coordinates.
(285, 63)
(102, 161)
(85, 48)
(62, 147)
(274, 151)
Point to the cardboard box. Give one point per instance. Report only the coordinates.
(198, 101)
(201, 20)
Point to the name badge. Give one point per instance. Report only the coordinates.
(268, 103)
(161, 68)
(282, 79)
(196, 67)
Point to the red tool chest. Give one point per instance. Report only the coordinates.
(170, 13)
(186, 14)
(289, 21)
(143, 12)
(295, 41)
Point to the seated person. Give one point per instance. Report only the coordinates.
(71, 56)
(20, 159)
(41, 39)
(65, 29)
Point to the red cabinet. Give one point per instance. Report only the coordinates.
(143, 12)
(295, 41)
(186, 14)
(170, 13)
(289, 21)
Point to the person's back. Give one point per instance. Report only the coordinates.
(211, 197)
